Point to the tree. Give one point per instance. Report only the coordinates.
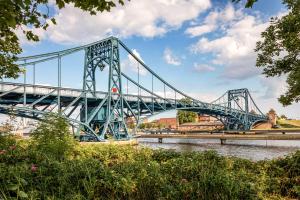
(186, 116)
(283, 117)
(249, 3)
(19, 14)
(279, 52)
(142, 126)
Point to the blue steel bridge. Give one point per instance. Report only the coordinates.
(100, 113)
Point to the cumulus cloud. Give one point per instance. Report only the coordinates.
(132, 65)
(147, 18)
(200, 30)
(203, 67)
(235, 48)
(170, 58)
(214, 20)
(266, 97)
(272, 87)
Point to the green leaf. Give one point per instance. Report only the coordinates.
(22, 194)
(53, 21)
(23, 181)
(13, 187)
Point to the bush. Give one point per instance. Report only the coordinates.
(52, 138)
(99, 171)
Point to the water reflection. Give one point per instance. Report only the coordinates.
(254, 150)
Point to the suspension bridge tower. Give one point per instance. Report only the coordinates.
(107, 117)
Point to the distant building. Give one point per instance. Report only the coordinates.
(205, 118)
(272, 117)
(168, 122)
(270, 123)
(194, 126)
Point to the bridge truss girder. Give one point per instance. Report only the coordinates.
(102, 113)
(134, 106)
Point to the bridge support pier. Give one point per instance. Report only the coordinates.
(160, 140)
(223, 141)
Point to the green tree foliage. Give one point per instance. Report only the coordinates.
(17, 14)
(249, 3)
(283, 117)
(186, 116)
(52, 137)
(142, 126)
(279, 52)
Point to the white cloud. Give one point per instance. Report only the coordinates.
(201, 96)
(41, 33)
(203, 67)
(147, 18)
(272, 87)
(170, 58)
(267, 97)
(204, 97)
(213, 20)
(235, 48)
(229, 13)
(200, 30)
(291, 111)
(131, 64)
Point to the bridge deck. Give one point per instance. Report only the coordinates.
(19, 88)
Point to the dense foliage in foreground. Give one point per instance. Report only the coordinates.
(35, 169)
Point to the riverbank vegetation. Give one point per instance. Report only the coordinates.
(51, 165)
(285, 123)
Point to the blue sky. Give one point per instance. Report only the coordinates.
(202, 47)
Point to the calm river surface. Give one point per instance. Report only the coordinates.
(254, 150)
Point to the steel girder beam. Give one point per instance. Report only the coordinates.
(36, 114)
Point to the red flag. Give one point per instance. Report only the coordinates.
(114, 90)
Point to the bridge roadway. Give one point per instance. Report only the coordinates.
(19, 94)
(40, 90)
(41, 95)
(222, 137)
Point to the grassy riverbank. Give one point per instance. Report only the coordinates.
(52, 166)
(126, 172)
(289, 123)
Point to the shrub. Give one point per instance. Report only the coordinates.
(52, 138)
(96, 171)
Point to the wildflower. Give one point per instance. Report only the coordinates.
(13, 147)
(33, 168)
(2, 152)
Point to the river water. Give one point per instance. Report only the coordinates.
(253, 150)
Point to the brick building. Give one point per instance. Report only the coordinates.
(168, 122)
(205, 118)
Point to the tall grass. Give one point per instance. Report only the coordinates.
(126, 172)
